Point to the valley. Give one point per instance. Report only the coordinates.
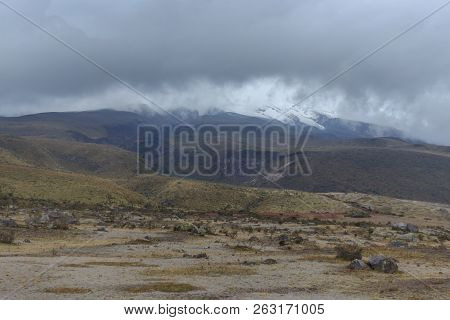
(76, 222)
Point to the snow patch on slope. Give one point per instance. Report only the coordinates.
(305, 115)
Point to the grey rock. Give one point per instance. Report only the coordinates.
(412, 228)
(383, 264)
(405, 227)
(270, 261)
(399, 226)
(398, 244)
(358, 264)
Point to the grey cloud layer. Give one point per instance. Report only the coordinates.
(194, 48)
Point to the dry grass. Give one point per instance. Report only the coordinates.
(74, 265)
(66, 290)
(116, 264)
(410, 254)
(320, 258)
(162, 287)
(243, 248)
(203, 270)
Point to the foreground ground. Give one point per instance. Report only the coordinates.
(144, 255)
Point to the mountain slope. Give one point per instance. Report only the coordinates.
(30, 185)
(95, 143)
(87, 158)
(326, 124)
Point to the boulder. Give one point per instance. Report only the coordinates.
(405, 227)
(412, 228)
(270, 261)
(202, 255)
(358, 264)
(398, 244)
(399, 226)
(52, 219)
(383, 264)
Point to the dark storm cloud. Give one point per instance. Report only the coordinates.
(232, 53)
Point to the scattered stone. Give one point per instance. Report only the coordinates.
(270, 261)
(405, 227)
(253, 239)
(383, 264)
(148, 238)
(412, 228)
(202, 255)
(349, 252)
(53, 219)
(399, 226)
(101, 229)
(358, 264)
(398, 244)
(27, 241)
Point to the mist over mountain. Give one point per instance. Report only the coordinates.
(233, 56)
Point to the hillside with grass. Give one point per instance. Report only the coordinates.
(70, 156)
(173, 194)
(30, 186)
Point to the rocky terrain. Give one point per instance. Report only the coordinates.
(380, 248)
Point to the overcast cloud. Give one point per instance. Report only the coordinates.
(232, 54)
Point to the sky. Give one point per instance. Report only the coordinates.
(235, 55)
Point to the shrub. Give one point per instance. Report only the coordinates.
(6, 236)
(349, 252)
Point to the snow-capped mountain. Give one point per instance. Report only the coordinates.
(326, 123)
(304, 115)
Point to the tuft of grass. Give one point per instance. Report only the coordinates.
(116, 264)
(7, 236)
(202, 270)
(67, 290)
(162, 287)
(348, 252)
(243, 248)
